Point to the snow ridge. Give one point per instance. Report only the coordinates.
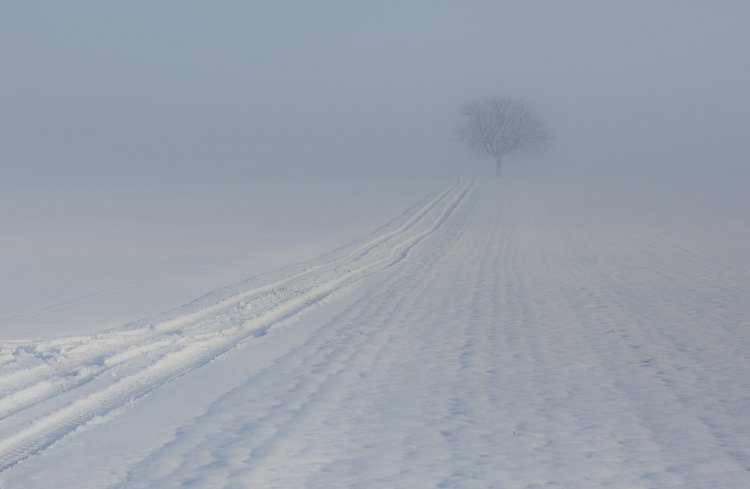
(52, 388)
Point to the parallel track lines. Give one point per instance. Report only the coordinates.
(208, 333)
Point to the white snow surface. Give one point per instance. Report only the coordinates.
(524, 333)
(79, 258)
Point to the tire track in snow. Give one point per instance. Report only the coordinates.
(210, 341)
(207, 452)
(79, 360)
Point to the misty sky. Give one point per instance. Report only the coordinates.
(186, 89)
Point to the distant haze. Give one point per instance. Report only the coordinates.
(234, 90)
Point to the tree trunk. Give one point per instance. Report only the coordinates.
(498, 160)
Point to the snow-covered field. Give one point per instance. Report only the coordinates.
(514, 334)
(81, 258)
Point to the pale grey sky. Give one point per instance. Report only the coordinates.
(186, 89)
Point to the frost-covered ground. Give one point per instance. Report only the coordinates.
(526, 333)
(80, 258)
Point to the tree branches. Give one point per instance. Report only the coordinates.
(498, 126)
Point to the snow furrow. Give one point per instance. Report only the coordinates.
(212, 331)
(94, 356)
(302, 378)
(507, 336)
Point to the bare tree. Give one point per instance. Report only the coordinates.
(499, 126)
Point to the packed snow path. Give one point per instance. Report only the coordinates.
(492, 336)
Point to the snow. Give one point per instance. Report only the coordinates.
(80, 258)
(517, 334)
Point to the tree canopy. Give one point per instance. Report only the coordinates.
(499, 126)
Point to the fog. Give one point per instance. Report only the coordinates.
(234, 90)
